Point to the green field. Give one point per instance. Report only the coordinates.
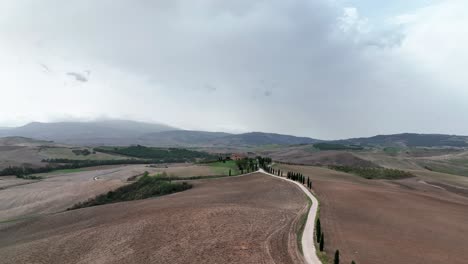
(222, 168)
(392, 151)
(67, 153)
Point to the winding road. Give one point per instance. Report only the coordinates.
(308, 245)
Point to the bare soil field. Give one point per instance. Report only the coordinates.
(57, 192)
(187, 170)
(244, 219)
(301, 155)
(18, 151)
(405, 221)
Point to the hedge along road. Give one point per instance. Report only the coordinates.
(308, 245)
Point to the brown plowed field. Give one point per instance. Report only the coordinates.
(406, 221)
(59, 191)
(246, 219)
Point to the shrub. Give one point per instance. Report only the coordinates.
(146, 187)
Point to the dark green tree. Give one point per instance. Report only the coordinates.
(318, 230)
(352, 262)
(322, 242)
(337, 257)
(229, 172)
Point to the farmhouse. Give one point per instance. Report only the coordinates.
(238, 156)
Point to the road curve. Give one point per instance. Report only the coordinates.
(308, 245)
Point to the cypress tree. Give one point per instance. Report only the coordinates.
(229, 172)
(318, 230)
(322, 242)
(352, 262)
(337, 257)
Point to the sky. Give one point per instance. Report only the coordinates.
(326, 69)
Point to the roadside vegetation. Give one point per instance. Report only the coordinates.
(374, 173)
(145, 187)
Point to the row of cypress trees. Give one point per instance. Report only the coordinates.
(319, 236)
(300, 178)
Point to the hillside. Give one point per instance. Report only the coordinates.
(181, 137)
(207, 139)
(97, 132)
(125, 132)
(409, 140)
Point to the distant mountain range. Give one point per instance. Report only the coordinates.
(124, 132)
(98, 132)
(409, 140)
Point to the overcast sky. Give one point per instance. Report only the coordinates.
(318, 68)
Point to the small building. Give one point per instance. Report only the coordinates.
(237, 156)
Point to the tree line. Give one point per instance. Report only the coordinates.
(138, 151)
(248, 165)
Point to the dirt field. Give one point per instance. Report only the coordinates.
(59, 191)
(303, 155)
(188, 170)
(247, 219)
(407, 221)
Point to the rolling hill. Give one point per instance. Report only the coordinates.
(409, 140)
(201, 138)
(87, 133)
(125, 132)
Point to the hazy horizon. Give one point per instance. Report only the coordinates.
(232, 132)
(321, 69)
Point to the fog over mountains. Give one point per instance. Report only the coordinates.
(126, 132)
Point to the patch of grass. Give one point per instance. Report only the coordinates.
(324, 258)
(374, 173)
(18, 219)
(222, 168)
(392, 151)
(145, 187)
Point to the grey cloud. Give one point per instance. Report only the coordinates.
(327, 79)
(78, 76)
